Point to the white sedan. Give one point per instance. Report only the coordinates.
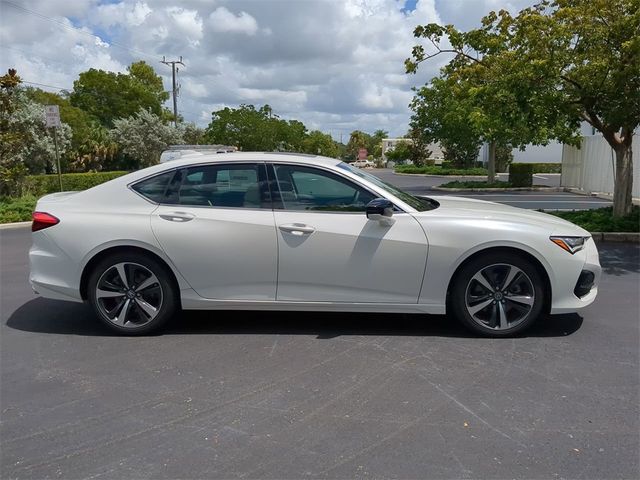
(262, 231)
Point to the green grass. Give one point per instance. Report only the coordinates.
(601, 220)
(433, 170)
(476, 184)
(17, 209)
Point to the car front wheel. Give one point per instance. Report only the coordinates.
(498, 294)
(132, 294)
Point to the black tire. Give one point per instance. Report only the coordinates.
(491, 267)
(161, 294)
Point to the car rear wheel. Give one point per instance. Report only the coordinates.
(132, 294)
(498, 294)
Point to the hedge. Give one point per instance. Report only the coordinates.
(439, 170)
(521, 174)
(547, 167)
(16, 209)
(39, 185)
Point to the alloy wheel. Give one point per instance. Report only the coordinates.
(499, 296)
(129, 295)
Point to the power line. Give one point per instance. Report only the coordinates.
(77, 30)
(45, 85)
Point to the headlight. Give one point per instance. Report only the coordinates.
(570, 244)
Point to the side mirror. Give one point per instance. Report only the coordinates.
(379, 209)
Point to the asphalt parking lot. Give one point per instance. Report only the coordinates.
(422, 186)
(272, 395)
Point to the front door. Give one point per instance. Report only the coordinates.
(330, 252)
(216, 225)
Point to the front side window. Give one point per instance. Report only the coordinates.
(225, 185)
(306, 188)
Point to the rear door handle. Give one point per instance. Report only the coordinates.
(297, 229)
(179, 217)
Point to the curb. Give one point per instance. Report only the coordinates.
(13, 225)
(629, 237)
(506, 189)
(604, 196)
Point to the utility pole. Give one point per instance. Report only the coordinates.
(174, 90)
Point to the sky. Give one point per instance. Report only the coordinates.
(336, 65)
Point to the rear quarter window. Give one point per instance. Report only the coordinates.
(154, 188)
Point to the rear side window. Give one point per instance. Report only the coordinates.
(225, 185)
(154, 188)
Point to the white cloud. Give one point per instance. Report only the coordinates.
(222, 20)
(335, 65)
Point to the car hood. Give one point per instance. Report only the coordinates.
(459, 207)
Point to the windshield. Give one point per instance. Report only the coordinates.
(420, 204)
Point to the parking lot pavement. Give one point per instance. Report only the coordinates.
(421, 186)
(291, 395)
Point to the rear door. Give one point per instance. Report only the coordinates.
(215, 223)
(330, 252)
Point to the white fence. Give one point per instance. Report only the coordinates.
(591, 168)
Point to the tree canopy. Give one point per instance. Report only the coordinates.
(536, 76)
(107, 96)
(259, 129)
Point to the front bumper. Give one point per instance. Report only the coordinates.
(567, 296)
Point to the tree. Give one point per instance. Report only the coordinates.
(319, 143)
(143, 137)
(357, 140)
(81, 123)
(375, 143)
(108, 95)
(255, 129)
(98, 148)
(192, 134)
(441, 114)
(400, 153)
(26, 145)
(12, 169)
(37, 151)
(555, 65)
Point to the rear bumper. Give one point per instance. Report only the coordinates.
(52, 273)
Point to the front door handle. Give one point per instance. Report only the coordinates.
(298, 229)
(179, 217)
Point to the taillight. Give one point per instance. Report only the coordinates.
(43, 220)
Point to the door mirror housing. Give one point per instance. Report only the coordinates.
(379, 209)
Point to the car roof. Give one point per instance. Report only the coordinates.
(198, 158)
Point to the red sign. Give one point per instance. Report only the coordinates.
(362, 154)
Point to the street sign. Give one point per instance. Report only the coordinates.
(52, 113)
(52, 117)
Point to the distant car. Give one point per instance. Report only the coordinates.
(264, 231)
(363, 164)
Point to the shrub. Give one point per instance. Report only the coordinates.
(547, 167)
(433, 170)
(475, 184)
(39, 185)
(602, 219)
(521, 174)
(16, 209)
